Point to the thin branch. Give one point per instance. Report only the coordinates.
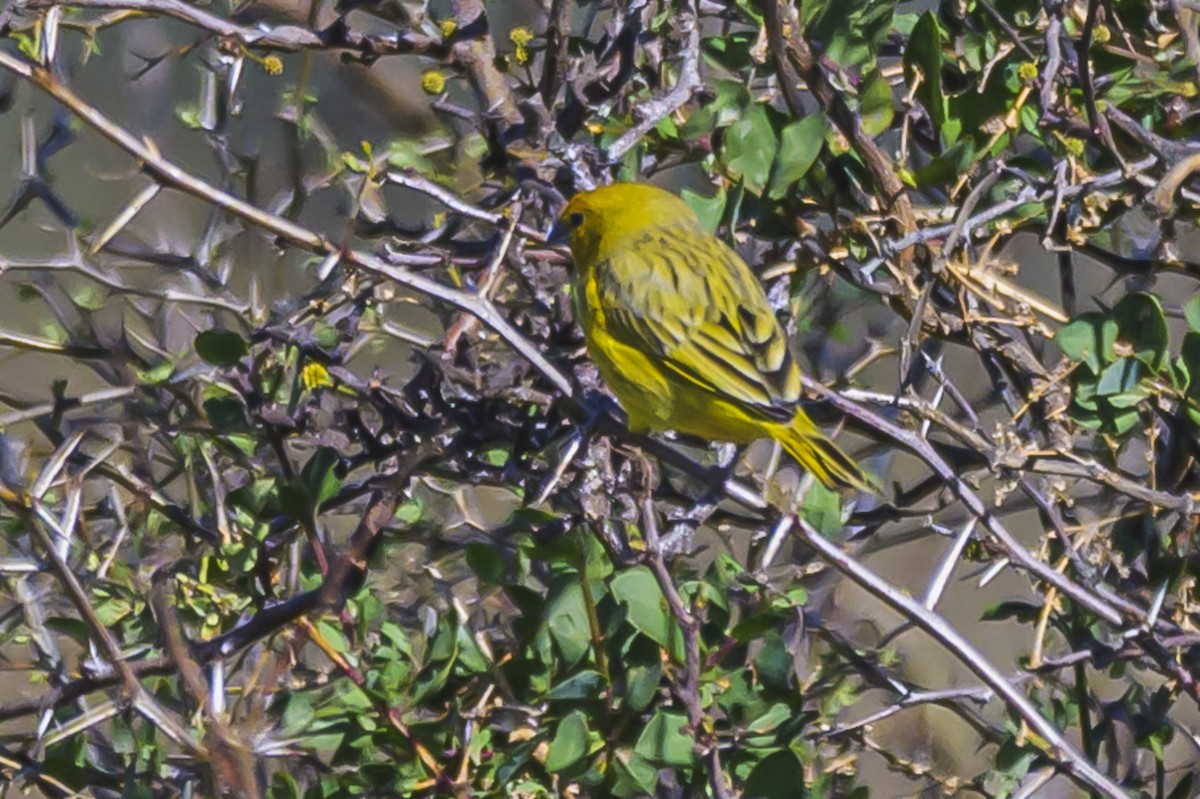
(171, 175)
(689, 692)
(652, 112)
(1068, 759)
(1027, 194)
(284, 38)
(925, 451)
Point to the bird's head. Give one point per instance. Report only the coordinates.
(608, 217)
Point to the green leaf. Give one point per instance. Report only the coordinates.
(568, 623)
(326, 336)
(298, 714)
(731, 51)
(646, 608)
(777, 776)
(725, 109)
(749, 148)
(923, 62)
(333, 636)
(1191, 312)
(1129, 399)
(665, 740)
(974, 110)
(318, 477)
(517, 757)
(408, 154)
(1087, 417)
(226, 414)
(439, 661)
(750, 10)
(284, 786)
(1029, 117)
(113, 610)
(876, 105)
(643, 673)
(294, 503)
(775, 662)
(486, 562)
(947, 167)
(1085, 394)
(584, 685)
(1121, 376)
(496, 456)
(1090, 338)
(1189, 357)
(73, 628)
(1143, 325)
(411, 512)
(570, 742)
(711, 210)
(635, 776)
(221, 347)
(469, 655)
(778, 714)
(1189, 362)
(189, 115)
(823, 509)
(1013, 761)
(799, 145)
(852, 30)
(156, 375)
(1121, 421)
(753, 627)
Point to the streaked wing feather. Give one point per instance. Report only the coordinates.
(712, 326)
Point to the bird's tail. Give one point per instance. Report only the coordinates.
(821, 457)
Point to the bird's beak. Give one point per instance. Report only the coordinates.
(559, 235)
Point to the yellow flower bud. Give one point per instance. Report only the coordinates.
(314, 376)
(433, 82)
(521, 37)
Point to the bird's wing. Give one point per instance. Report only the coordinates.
(690, 300)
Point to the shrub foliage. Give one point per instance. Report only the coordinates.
(308, 488)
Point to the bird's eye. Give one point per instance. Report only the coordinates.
(575, 219)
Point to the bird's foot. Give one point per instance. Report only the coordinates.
(680, 536)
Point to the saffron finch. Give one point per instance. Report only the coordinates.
(681, 329)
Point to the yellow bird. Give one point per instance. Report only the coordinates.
(681, 329)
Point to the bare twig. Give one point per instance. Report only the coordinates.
(170, 175)
(1008, 542)
(285, 38)
(1066, 757)
(650, 113)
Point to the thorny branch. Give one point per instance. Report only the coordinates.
(474, 416)
(1062, 751)
(170, 175)
(287, 38)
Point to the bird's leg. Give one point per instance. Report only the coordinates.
(681, 532)
(716, 477)
(596, 406)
